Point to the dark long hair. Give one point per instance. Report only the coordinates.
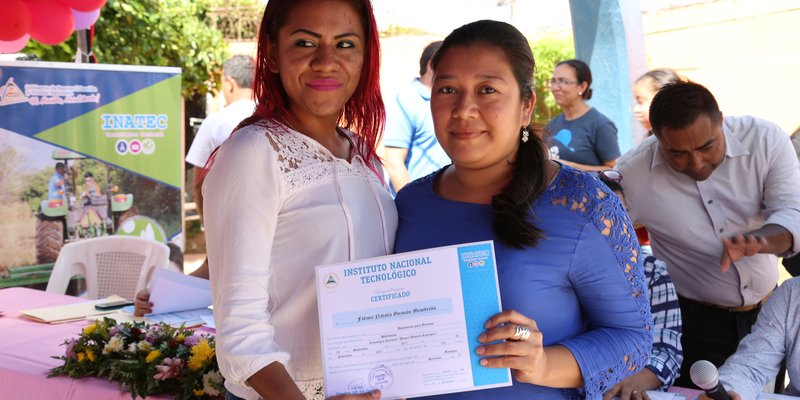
(512, 206)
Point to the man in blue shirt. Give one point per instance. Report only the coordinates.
(412, 150)
(55, 188)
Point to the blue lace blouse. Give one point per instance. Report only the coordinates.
(583, 284)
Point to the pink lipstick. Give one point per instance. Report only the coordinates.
(324, 84)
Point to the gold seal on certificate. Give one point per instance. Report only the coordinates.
(408, 323)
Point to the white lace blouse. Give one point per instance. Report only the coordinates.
(276, 204)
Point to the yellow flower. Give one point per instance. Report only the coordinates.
(201, 354)
(198, 392)
(90, 355)
(152, 356)
(180, 338)
(81, 357)
(90, 329)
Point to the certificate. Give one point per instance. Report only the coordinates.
(408, 323)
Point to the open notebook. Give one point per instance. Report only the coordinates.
(68, 313)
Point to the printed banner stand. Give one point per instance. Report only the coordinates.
(88, 149)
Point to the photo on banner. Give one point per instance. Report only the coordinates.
(87, 150)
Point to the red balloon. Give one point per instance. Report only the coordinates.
(51, 21)
(15, 20)
(84, 5)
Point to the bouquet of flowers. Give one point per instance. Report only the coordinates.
(145, 359)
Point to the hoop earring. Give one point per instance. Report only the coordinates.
(525, 135)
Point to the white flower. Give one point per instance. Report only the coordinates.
(144, 345)
(132, 348)
(113, 345)
(209, 379)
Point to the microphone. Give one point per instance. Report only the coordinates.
(704, 374)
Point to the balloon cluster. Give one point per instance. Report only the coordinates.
(46, 21)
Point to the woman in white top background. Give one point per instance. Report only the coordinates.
(297, 185)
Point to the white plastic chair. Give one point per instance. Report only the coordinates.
(118, 265)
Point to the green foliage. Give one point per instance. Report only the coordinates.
(238, 19)
(35, 189)
(155, 200)
(10, 181)
(547, 52)
(170, 33)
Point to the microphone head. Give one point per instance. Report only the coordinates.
(704, 374)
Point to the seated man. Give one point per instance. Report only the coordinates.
(759, 355)
(91, 190)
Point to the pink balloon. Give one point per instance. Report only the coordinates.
(85, 20)
(14, 46)
(85, 5)
(15, 20)
(51, 21)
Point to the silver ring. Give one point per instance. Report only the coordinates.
(521, 333)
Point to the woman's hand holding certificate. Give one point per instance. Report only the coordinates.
(514, 341)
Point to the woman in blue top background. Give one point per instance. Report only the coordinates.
(569, 267)
(580, 136)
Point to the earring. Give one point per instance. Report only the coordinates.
(525, 135)
(580, 93)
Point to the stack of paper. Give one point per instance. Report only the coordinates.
(68, 313)
(172, 291)
(178, 299)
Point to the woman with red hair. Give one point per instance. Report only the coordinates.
(297, 185)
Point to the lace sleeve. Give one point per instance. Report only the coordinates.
(607, 276)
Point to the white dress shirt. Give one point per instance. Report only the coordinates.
(216, 128)
(277, 204)
(758, 183)
(774, 338)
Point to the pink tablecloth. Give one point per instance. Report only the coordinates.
(26, 348)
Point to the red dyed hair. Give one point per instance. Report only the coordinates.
(364, 112)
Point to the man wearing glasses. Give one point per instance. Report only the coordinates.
(719, 197)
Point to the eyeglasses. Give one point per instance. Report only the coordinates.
(609, 176)
(561, 82)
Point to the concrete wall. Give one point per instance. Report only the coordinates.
(747, 52)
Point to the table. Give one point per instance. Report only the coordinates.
(26, 348)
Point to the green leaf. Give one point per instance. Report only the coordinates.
(130, 31)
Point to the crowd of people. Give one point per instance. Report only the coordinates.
(299, 183)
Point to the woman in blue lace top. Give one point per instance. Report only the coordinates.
(569, 267)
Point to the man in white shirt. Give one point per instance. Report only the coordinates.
(237, 82)
(720, 199)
